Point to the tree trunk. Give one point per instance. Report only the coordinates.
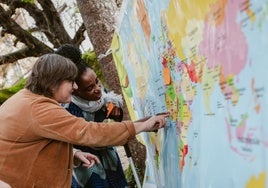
(99, 19)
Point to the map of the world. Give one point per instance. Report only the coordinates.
(205, 62)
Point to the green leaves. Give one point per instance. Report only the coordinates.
(8, 92)
(28, 1)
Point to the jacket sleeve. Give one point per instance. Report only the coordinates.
(52, 121)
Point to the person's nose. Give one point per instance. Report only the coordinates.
(97, 88)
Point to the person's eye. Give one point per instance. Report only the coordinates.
(89, 88)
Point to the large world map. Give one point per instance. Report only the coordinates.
(205, 62)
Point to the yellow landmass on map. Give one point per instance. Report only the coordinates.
(257, 182)
(182, 12)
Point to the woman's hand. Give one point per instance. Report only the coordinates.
(151, 123)
(116, 111)
(87, 159)
(113, 112)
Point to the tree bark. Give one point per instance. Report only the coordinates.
(98, 17)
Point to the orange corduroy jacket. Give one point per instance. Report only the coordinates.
(36, 137)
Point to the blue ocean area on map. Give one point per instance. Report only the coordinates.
(205, 62)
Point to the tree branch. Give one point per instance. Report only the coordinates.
(54, 23)
(14, 56)
(33, 10)
(10, 26)
(79, 35)
(47, 20)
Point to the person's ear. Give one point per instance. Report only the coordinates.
(52, 90)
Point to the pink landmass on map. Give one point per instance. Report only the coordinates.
(224, 43)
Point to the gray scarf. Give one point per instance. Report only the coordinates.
(109, 157)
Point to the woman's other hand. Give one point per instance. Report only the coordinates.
(87, 159)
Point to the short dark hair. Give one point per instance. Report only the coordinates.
(73, 53)
(70, 51)
(48, 73)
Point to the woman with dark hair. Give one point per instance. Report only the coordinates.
(37, 134)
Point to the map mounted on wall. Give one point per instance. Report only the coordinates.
(205, 62)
